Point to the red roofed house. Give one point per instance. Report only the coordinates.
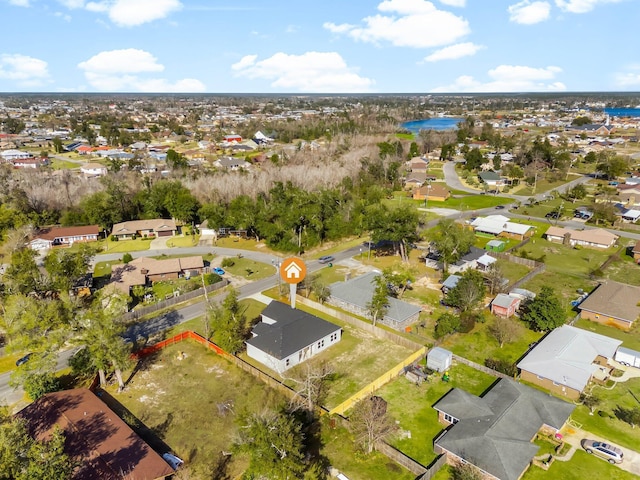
(57, 236)
(103, 445)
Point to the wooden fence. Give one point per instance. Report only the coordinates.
(434, 467)
(361, 324)
(479, 367)
(401, 459)
(141, 312)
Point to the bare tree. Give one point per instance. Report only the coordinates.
(590, 401)
(505, 330)
(370, 423)
(495, 278)
(311, 380)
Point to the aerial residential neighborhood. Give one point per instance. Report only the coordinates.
(255, 288)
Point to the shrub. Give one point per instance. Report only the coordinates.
(127, 257)
(502, 366)
(113, 238)
(467, 321)
(447, 323)
(38, 384)
(211, 278)
(227, 262)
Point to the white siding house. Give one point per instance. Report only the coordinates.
(287, 337)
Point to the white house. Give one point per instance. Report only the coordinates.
(10, 155)
(286, 337)
(93, 170)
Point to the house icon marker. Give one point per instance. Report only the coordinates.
(293, 271)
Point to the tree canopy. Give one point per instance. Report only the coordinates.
(544, 312)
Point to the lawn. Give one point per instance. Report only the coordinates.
(58, 164)
(124, 246)
(250, 269)
(543, 185)
(183, 241)
(8, 361)
(191, 403)
(411, 406)
(605, 423)
(581, 466)
(103, 269)
(479, 344)
(471, 202)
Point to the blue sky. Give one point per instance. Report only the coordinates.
(272, 46)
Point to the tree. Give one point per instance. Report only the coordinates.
(544, 312)
(578, 192)
(379, 303)
(274, 443)
(66, 266)
(468, 292)
(446, 324)
(370, 423)
(398, 280)
(612, 166)
(466, 471)
(628, 415)
(57, 145)
(311, 379)
(452, 241)
(23, 275)
(228, 323)
(590, 400)
(176, 160)
(473, 159)
(581, 120)
(494, 278)
(505, 330)
(397, 225)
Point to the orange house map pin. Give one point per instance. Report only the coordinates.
(293, 270)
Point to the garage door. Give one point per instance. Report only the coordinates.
(165, 234)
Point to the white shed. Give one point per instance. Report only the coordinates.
(439, 359)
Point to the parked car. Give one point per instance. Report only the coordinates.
(499, 207)
(604, 450)
(23, 360)
(554, 215)
(326, 259)
(218, 271)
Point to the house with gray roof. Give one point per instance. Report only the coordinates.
(612, 303)
(567, 359)
(494, 432)
(286, 337)
(355, 294)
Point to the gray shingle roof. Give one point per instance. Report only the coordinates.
(495, 430)
(359, 291)
(292, 331)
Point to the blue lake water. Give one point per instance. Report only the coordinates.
(436, 123)
(623, 112)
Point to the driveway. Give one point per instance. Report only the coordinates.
(158, 243)
(573, 436)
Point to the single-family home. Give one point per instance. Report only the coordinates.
(612, 303)
(231, 163)
(30, 163)
(13, 154)
(467, 261)
(157, 227)
(414, 180)
(146, 270)
(232, 138)
(484, 262)
(593, 237)
(419, 164)
(432, 191)
(355, 294)
(100, 443)
(491, 179)
(93, 170)
(567, 359)
(286, 337)
(501, 226)
(63, 236)
(505, 305)
(495, 432)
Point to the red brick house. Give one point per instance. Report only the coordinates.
(63, 236)
(505, 305)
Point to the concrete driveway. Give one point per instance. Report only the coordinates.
(573, 436)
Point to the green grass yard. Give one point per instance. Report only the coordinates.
(250, 269)
(411, 405)
(580, 467)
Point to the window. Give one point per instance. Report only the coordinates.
(287, 362)
(450, 419)
(539, 377)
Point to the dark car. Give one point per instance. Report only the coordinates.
(608, 452)
(554, 215)
(499, 207)
(326, 259)
(23, 360)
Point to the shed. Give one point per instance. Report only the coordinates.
(439, 359)
(495, 246)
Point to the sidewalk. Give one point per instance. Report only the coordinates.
(573, 436)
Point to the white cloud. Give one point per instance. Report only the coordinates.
(454, 51)
(124, 70)
(528, 12)
(581, 6)
(64, 16)
(20, 3)
(407, 23)
(510, 78)
(309, 72)
(128, 13)
(454, 3)
(628, 79)
(24, 70)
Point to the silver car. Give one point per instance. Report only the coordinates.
(608, 452)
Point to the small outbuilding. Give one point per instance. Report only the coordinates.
(439, 359)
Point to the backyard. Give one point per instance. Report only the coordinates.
(411, 406)
(581, 466)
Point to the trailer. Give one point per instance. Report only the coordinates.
(627, 357)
